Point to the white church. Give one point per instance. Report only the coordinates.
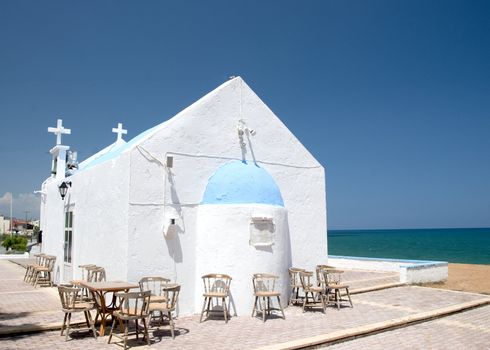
(222, 187)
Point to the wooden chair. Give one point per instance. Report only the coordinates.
(216, 286)
(84, 295)
(319, 274)
(264, 288)
(85, 270)
(310, 289)
(42, 274)
(30, 267)
(295, 284)
(166, 307)
(334, 285)
(134, 307)
(69, 297)
(155, 285)
(96, 274)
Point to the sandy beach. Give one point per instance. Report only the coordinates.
(467, 277)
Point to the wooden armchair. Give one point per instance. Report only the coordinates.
(42, 273)
(316, 293)
(30, 267)
(155, 285)
(166, 307)
(295, 284)
(134, 307)
(69, 298)
(264, 288)
(96, 274)
(216, 286)
(334, 285)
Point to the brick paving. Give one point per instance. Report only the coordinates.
(469, 330)
(34, 306)
(362, 279)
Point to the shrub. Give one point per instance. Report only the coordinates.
(15, 243)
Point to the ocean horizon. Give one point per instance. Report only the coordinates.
(455, 245)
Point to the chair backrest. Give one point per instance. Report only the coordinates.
(39, 258)
(97, 274)
(332, 277)
(294, 276)
(216, 282)
(171, 295)
(49, 261)
(153, 284)
(134, 303)
(319, 273)
(306, 278)
(85, 268)
(264, 282)
(68, 296)
(90, 272)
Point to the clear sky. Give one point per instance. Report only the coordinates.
(392, 97)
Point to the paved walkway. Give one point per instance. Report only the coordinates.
(467, 330)
(21, 305)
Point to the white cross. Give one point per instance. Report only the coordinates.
(119, 131)
(59, 130)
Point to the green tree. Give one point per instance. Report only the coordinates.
(16, 243)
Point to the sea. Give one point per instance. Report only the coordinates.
(455, 245)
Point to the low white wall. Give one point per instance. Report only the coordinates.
(349, 262)
(424, 273)
(14, 256)
(411, 271)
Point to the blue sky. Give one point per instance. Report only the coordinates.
(392, 97)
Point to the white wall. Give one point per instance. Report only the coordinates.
(99, 200)
(100, 197)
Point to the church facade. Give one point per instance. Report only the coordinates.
(222, 187)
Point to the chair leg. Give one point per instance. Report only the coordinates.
(146, 331)
(125, 335)
(27, 273)
(305, 301)
(34, 280)
(208, 308)
(68, 326)
(264, 309)
(348, 296)
(255, 306)
(280, 307)
(203, 308)
(137, 329)
(64, 324)
(171, 321)
(86, 319)
(225, 310)
(92, 327)
(322, 298)
(112, 330)
(337, 298)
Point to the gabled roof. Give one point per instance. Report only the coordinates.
(92, 159)
(115, 150)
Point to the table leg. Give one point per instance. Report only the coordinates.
(103, 312)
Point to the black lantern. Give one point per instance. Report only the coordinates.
(64, 188)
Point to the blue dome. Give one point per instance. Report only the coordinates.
(241, 182)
